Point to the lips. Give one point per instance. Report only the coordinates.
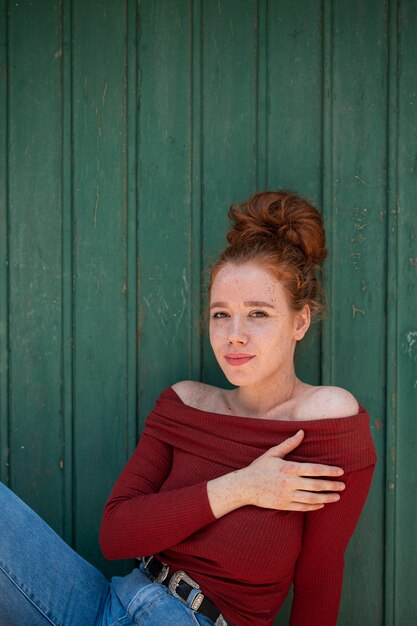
(238, 358)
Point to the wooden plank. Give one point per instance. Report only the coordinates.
(392, 317)
(196, 287)
(164, 233)
(100, 264)
(262, 93)
(4, 252)
(357, 259)
(35, 255)
(229, 128)
(66, 462)
(406, 399)
(294, 76)
(131, 224)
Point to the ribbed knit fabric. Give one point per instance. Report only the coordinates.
(245, 561)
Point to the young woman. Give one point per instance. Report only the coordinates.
(230, 496)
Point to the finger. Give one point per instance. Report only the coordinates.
(306, 497)
(310, 484)
(298, 506)
(315, 469)
(287, 446)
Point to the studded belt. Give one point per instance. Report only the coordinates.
(183, 587)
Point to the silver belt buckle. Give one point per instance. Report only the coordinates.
(162, 574)
(175, 580)
(173, 583)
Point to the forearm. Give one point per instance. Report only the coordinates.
(319, 597)
(319, 570)
(142, 524)
(145, 524)
(227, 493)
(140, 517)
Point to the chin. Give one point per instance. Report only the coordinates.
(238, 378)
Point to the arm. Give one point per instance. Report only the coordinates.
(319, 569)
(139, 521)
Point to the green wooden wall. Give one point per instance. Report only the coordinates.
(126, 130)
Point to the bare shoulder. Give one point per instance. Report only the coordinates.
(186, 389)
(327, 402)
(196, 394)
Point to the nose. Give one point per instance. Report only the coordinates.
(237, 334)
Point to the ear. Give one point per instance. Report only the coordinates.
(302, 322)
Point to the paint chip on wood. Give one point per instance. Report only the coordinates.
(356, 309)
(410, 344)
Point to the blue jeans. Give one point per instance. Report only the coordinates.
(43, 582)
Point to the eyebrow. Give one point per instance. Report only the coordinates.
(247, 303)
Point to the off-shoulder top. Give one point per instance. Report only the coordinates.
(245, 561)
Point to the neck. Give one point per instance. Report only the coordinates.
(257, 400)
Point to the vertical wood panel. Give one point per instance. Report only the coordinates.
(327, 177)
(100, 370)
(406, 401)
(262, 50)
(67, 271)
(131, 272)
(35, 255)
(295, 96)
(164, 237)
(392, 322)
(4, 252)
(196, 287)
(229, 127)
(358, 265)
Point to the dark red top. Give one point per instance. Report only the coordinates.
(245, 561)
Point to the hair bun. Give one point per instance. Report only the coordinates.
(282, 215)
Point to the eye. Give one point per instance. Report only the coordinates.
(219, 315)
(258, 314)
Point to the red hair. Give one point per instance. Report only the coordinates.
(284, 234)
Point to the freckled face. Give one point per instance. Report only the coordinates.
(253, 331)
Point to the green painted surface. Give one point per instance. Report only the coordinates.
(126, 130)
(99, 262)
(34, 190)
(405, 407)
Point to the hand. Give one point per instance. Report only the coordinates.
(273, 483)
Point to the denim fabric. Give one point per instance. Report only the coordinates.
(43, 582)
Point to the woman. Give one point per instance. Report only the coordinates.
(222, 522)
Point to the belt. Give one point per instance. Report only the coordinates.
(183, 587)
